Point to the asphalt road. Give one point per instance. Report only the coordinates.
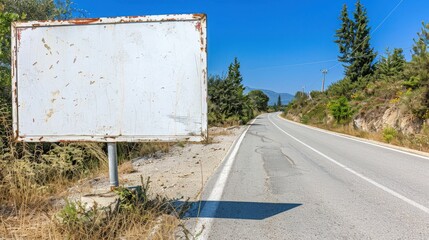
(288, 181)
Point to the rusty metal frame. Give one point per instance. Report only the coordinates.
(17, 27)
(113, 20)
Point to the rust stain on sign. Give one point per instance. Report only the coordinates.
(198, 26)
(49, 114)
(56, 93)
(199, 15)
(18, 34)
(84, 20)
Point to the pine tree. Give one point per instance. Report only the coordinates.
(233, 84)
(227, 101)
(392, 63)
(421, 44)
(279, 101)
(418, 69)
(362, 54)
(258, 100)
(353, 39)
(345, 37)
(419, 66)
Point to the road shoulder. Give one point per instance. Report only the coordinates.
(362, 140)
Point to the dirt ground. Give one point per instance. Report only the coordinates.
(182, 172)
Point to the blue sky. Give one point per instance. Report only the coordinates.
(279, 41)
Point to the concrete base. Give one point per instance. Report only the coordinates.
(103, 200)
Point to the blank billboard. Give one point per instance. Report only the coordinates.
(122, 79)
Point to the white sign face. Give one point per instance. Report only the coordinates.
(110, 79)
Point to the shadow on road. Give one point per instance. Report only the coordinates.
(254, 124)
(235, 210)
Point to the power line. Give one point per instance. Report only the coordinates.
(333, 60)
(315, 62)
(388, 15)
(378, 56)
(293, 65)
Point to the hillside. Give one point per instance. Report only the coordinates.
(285, 97)
(389, 102)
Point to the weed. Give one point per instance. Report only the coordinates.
(305, 119)
(389, 133)
(150, 148)
(34, 177)
(221, 131)
(138, 216)
(181, 144)
(126, 168)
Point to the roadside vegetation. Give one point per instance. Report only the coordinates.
(228, 105)
(385, 100)
(35, 177)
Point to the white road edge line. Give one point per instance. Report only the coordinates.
(386, 189)
(353, 139)
(204, 224)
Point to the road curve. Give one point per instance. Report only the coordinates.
(288, 181)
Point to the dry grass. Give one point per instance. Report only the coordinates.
(29, 206)
(151, 148)
(220, 132)
(34, 180)
(138, 216)
(418, 142)
(30, 213)
(32, 223)
(216, 132)
(126, 168)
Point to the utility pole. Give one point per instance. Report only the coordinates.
(324, 72)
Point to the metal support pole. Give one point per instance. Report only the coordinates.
(113, 164)
(324, 71)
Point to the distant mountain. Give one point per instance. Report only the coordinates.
(285, 97)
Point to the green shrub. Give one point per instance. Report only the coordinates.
(340, 109)
(305, 119)
(389, 133)
(134, 217)
(412, 83)
(340, 88)
(75, 215)
(67, 161)
(416, 102)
